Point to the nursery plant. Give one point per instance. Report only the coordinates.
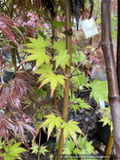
(25, 101)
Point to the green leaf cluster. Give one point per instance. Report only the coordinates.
(42, 150)
(47, 75)
(62, 58)
(84, 148)
(79, 103)
(37, 51)
(11, 150)
(79, 80)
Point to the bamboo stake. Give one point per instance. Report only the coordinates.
(67, 73)
(109, 146)
(111, 73)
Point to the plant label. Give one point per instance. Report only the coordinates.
(89, 28)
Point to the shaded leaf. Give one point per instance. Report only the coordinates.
(52, 121)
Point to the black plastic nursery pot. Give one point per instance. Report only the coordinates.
(8, 76)
(102, 132)
(43, 140)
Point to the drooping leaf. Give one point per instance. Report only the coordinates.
(20, 126)
(5, 23)
(7, 124)
(53, 79)
(3, 96)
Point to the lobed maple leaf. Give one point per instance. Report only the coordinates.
(37, 51)
(48, 76)
(99, 90)
(62, 59)
(52, 121)
(71, 128)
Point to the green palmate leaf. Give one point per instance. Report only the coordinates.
(34, 149)
(82, 103)
(71, 128)
(51, 157)
(62, 59)
(13, 150)
(75, 107)
(52, 121)
(76, 151)
(61, 45)
(89, 147)
(105, 120)
(99, 90)
(86, 146)
(81, 142)
(38, 51)
(53, 79)
(69, 145)
(43, 150)
(79, 103)
(79, 79)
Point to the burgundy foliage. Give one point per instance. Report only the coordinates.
(15, 120)
(5, 23)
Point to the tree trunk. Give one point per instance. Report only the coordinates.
(111, 73)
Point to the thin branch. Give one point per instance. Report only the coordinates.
(91, 126)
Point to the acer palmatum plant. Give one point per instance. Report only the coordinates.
(13, 119)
